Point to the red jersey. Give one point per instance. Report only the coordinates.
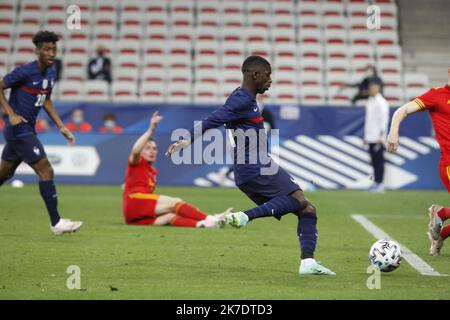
(140, 178)
(437, 102)
(84, 127)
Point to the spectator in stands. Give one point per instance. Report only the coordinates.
(375, 129)
(77, 123)
(109, 124)
(371, 76)
(99, 68)
(42, 125)
(58, 66)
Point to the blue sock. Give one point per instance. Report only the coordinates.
(307, 234)
(276, 207)
(48, 194)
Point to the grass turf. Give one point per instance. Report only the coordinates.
(257, 262)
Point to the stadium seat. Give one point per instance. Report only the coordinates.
(156, 33)
(207, 76)
(235, 48)
(18, 59)
(206, 34)
(282, 78)
(181, 19)
(258, 8)
(131, 32)
(25, 31)
(23, 46)
(393, 52)
(32, 5)
(335, 9)
(336, 79)
(30, 17)
(127, 47)
(54, 17)
(312, 95)
(385, 37)
(96, 91)
(335, 23)
(152, 92)
(8, 13)
(413, 92)
(263, 49)
(256, 35)
(283, 8)
(124, 75)
(337, 66)
(132, 7)
(310, 79)
(392, 80)
(286, 94)
(153, 75)
(359, 66)
(5, 46)
(285, 49)
(335, 36)
(415, 80)
(310, 36)
(360, 37)
(394, 96)
(232, 7)
(70, 90)
(179, 75)
(74, 67)
(206, 62)
(309, 22)
(124, 91)
(285, 64)
(231, 62)
(259, 21)
(283, 22)
(361, 52)
(231, 76)
(156, 48)
(283, 35)
(210, 7)
(232, 20)
(206, 93)
(357, 23)
(337, 51)
(389, 66)
(179, 93)
(305, 8)
(310, 64)
(310, 50)
(340, 97)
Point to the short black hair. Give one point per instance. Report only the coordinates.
(253, 62)
(44, 36)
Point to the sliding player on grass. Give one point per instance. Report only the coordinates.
(141, 206)
(437, 102)
(275, 192)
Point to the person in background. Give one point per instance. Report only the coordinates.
(77, 123)
(42, 125)
(109, 124)
(375, 129)
(371, 76)
(99, 68)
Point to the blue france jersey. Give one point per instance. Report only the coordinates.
(241, 111)
(29, 89)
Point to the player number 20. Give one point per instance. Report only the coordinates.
(40, 100)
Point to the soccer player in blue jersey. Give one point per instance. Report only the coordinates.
(31, 87)
(274, 191)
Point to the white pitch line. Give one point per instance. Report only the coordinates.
(414, 260)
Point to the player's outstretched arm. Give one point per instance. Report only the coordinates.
(135, 154)
(399, 115)
(51, 111)
(14, 118)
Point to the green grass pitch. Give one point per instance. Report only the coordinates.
(259, 261)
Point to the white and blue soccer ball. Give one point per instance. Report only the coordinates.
(385, 255)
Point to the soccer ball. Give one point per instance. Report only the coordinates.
(385, 255)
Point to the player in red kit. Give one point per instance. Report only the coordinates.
(437, 102)
(142, 207)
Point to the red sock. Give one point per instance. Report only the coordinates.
(186, 210)
(179, 221)
(445, 232)
(444, 213)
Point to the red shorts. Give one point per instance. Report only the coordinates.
(444, 172)
(139, 208)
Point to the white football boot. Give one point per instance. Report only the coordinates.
(65, 226)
